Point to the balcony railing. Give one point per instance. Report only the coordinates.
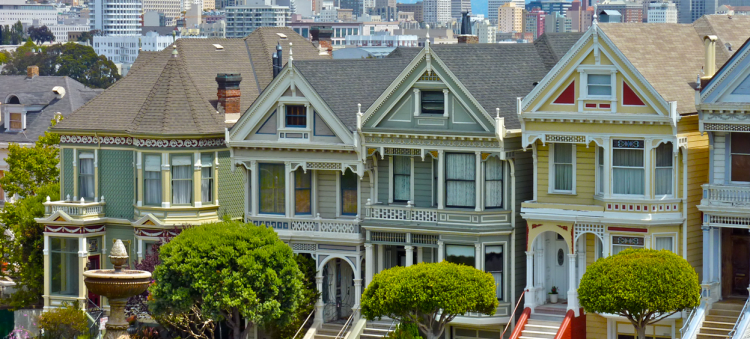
(317, 224)
(726, 195)
(75, 208)
(400, 213)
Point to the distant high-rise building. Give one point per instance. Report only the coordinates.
(557, 23)
(493, 5)
(355, 5)
(437, 11)
(691, 10)
(243, 20)
(510, 18)
(415, 8)
(662, 12)
(458, 6)
(486, 32)
(580, 17)
(630, 11)
(116, 17)
(534, 22)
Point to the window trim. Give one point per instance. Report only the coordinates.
(445, 179)
(600, 168)
(501, 180)
(309, 191)
(191, 179)
(612, 243)
(728, 164)
(161, 179)
(584, 71)
(259, 188)
(505, 273)
(473, 250)
(392, 174)
(644, 167)
(340, 198)
(89, 154)
(212, 178)
(672, 167)
(551, 180)
(303, 115)
(75, 254)
(672, 235)
(421, 102)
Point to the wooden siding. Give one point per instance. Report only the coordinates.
(423, 182)
(364, 192)
(524, 191)
(596, 326)
(383, 180)
(697, 175)
(585, 176)
(720, 157)
(326, 194)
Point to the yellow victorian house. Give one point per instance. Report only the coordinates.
(618, 161)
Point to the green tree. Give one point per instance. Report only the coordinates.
(65, 322)
(644, 286)
(429, 295)
(310, 296)
(16, 33)
(233, 272)
(40, 34)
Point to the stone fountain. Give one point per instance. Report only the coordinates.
(117, 285)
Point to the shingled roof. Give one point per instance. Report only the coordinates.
(671, 56)
(134, 102)
(495, 74)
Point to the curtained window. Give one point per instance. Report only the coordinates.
(182, 179)
(349, 193)
(740, 145)
(621, 243)
(302, 184)
(152, 179)
(663, 171)
(433, 102)
(86, 175)
(207, 178)
(493, 264)
(600, 170)
(64, 271)
(296, 116)
(627, 169)
(460, 184)
(562, 155)
(460, 254)
(599, 84)
(401, 178)
(271, 188)
(493, 183)
(663, 243)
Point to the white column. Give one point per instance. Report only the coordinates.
(319, 304)
(478, 256)
(530, 296)
(381, 257)
(441, 253)
(706, 254)
(416, 102)
(369, 265)
(409, 255)
(572, 291)
(445, 103)
(254, 193)
(441, 181)
(716, 253)
(478, 180)
(357, 299)
(288, 201)
(420, 255)
(140, 249)
(607, 168)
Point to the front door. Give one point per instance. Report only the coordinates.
(556, 270)
(94, 264)
(736, 261)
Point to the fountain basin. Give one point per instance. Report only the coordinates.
(117, 285)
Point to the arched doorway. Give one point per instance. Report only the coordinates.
(551, 265)
(338, 289)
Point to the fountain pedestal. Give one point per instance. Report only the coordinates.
(117, 285)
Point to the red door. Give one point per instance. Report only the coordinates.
(94, 264)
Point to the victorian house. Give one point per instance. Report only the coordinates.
(148, 155)
(369, 164)
(619, 160)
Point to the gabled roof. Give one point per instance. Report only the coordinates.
(728, 29)
(38, 91)
(133, 102)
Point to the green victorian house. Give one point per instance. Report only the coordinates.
(148, 155)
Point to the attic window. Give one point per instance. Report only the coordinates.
(433, 102)
(281, 35)
(13, 100)
(219, 47)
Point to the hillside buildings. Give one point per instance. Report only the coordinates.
(243, 20)
(116, 17)
(665, 12)
(437, 11)
(12, 11)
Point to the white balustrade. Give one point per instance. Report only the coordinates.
(726, 195)
(309, 224)
(401, 213)
(75, 209)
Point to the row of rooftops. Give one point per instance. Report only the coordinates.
(174, 92)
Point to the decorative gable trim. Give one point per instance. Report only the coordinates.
(719, 79)
(139, 142)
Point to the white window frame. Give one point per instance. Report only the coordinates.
(583, 72)
(672, 235)
(728, 163)
(551, 181)
(391, 183)
(506, 267)
(611, 166)
(674, 174)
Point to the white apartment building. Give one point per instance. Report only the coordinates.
(61, 31)
(664, 12)
(437, 11)
(382, 40)
(14, 11)
(170, 8)
(116, 17)
(243, 20)
(487, 32)
(493, 5)
(123, 50)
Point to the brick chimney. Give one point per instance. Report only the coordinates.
(229, 95)
(32, 71)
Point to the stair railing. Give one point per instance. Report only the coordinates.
(345, 327)
(390, 328)
(742, 321)
(513, 313)
(304, 323)
(690, 326)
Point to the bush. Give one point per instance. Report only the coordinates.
(405, 331)
(66, 322)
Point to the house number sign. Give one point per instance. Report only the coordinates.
(632, 241)
(627, 143)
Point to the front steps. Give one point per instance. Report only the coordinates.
(329, 331)
(377, 329)
(720, 320)
(544, 323)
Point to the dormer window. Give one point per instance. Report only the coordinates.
(599, 85)
(433, 102)
(296, 116)
(16, 121)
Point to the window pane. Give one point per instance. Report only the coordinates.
(302, 183)
(627, 157)
(152, 179)
(663, 243)
(460, 172)
(86, 176)
(64, 264)
(664, 155)
(741, 143)
(349, 193)
(182, 179)
(460, 254)
(493, 184)
(600, 172)
(459, 166)
(629, 177)
(401, 178)
(493, 258)
(663, 173)
(740, 167)
(433, 102)
(563, 153)
(271, 188)
(296, 116)
(599, 79)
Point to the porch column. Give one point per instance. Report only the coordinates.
(420, 255)
(319, 304)
(409, 255)
(716, 263)
(381, 257)
(707, 254)
(572, 290)
(254, 188)
(47, 272)
(441, 182)
(441, 255)
(357, 299)
(478, 181)
(369, 265)
(529, 299)
(478, 256)
(288, 202)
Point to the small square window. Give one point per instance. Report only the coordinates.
(296, 116)
(433, 102)
(599, 84)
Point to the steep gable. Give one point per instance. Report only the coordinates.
(731, 84)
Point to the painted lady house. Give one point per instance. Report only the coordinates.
(148, 155)
(370, 164)
(618, 161)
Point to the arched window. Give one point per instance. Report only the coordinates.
(13, 100)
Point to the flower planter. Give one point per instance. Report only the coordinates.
(553, 298)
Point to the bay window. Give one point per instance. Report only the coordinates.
(182, 179)
(302, 197)
(493, 183)
(349, 193)
(401, 179)
(663, 172)
(152, 179)
(207, 178)
(460, 184)
(86, 175)
(460, 254)
(627, 167)
(64, 266)
(562, 159)
(493, 264)
(272, 181)
(740, 149)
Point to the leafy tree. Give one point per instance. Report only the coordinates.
(644, 286)
(310, 296)
(429, 295)
(16, 34)
(41, 34)
(233, 272)
(65, 322)
(89, 36)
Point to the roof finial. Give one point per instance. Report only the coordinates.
(498, 112)
(174, 51)
(427, 36)
(698, 81)
(290, 53)
(595, 21)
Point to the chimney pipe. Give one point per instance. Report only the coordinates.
(709, 44)
(278, 63)
(229, 95)
(32, 71)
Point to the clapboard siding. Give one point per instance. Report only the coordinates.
(327, 196)
(720, 157)
(364, 192)
(383, 180)
(423, 182)
(697, 175)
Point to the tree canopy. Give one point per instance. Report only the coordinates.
(74, 60)
(12, 34)
(41, 34)
(429, 295)
(642, 285)
(233, 272)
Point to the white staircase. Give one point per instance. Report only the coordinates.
(329, 331)
(543, 323)
(377, 329)
(720, 320)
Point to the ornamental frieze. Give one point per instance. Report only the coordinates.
(431, 142)
(128, 141)
(73, 229)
